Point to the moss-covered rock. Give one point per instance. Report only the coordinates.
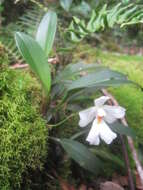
(22, 130)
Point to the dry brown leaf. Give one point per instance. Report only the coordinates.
(121, 180)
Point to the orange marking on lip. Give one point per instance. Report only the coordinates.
(99, 119)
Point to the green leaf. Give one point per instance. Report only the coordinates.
(100, 20)
(131, 22)
(81, 154)
(35, 57)
(90, 26)
(46, 31)
(72, 70)
(102, 78)
(83, 132)
(66, 4)
(121, 129)
(112, 15)
(74, 37)
(122, 18)
(107, 156)
(103, 18)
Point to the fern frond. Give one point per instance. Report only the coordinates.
(30, 20)
(6, 38)
(40, 5)
(105, 18)
(27, 23)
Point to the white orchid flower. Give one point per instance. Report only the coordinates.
(100, 114)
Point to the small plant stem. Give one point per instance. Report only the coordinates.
(130, 178)
(63, 121)
(75, 136)
(61, 102)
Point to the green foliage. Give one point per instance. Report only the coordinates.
(46, 32)
(81, 154)
(105, 18)
(30, 20)
(7, 40)
(27, 23)
(121, 129)
(130, 97)
(22, 130)
(79, 79)
(35, 57)
(105, 155)
(35, 52)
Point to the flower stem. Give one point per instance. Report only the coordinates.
(63, 121)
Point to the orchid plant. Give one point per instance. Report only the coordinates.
(67, 86)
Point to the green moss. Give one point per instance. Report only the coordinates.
(132, 99)
(22, 130)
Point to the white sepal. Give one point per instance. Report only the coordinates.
(113, 113)
(87, 116)
(101, 101)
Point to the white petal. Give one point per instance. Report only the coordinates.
(100, 101)
(109, 118)
(87, 116)
(93, 136)
(113, 113)
(106, 133)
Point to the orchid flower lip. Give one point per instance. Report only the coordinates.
(100, 131)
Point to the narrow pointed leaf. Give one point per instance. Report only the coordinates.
(121, 129)
(81, 154)
(35, 57)
(72, 70)
(46, 31)
(107, 156)
(112, 16)
(102, 78)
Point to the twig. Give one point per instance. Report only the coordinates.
(130, 178)
(53, 61)
(126, 158)
(18, 66)
(130, 141)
